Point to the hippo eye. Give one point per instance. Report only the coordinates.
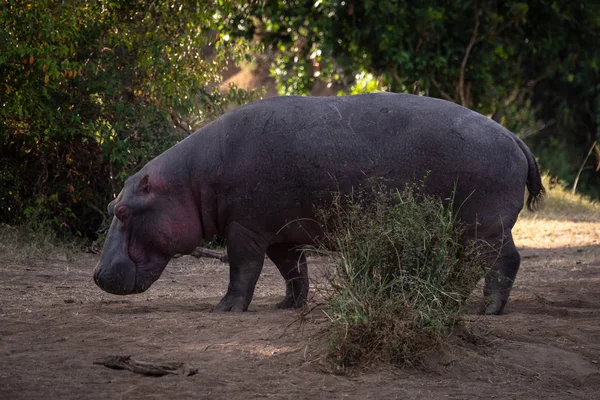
(122, 212)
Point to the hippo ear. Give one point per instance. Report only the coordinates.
(144, 185)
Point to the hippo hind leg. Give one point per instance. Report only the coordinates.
(505, 261)
(291, 263)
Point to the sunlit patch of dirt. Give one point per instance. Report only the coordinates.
(549, 233)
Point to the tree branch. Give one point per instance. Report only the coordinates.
(463, 65)
(582, 166)
(179, 124)
(445, 95)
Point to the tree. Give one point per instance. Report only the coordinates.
(90, 90)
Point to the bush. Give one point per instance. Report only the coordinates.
(91, 90)
(401, 275)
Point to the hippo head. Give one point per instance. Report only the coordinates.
(153, 219)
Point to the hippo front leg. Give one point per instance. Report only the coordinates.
(246, 259)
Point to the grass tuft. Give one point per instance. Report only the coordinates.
(28, 242)
(561, 204)
(401, 276)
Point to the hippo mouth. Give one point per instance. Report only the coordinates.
(117, 273)
(122, 278)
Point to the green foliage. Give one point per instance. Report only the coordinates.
(401, 275)
(90, 90)
(365, 83)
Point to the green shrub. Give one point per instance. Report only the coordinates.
(92, 90)
(401, 275)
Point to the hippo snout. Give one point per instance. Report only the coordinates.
(116, 278)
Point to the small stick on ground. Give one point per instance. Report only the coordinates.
(203, 252)
(145, 367)
(200, 252)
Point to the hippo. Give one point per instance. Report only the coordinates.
(256, 174)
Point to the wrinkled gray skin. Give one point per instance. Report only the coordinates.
(255, 175)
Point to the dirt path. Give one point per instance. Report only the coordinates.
(54, 323)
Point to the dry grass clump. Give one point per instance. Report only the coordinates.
(561, 204)
(25, 242)
(565, 219)
(401, 276)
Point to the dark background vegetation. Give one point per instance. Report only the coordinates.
(90, 90)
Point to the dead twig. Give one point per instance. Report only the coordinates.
(200, 252)
(144, 367)
(594, 145)
(204, 252)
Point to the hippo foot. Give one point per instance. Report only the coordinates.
(230, 303)
(494, 307)
(290, 302)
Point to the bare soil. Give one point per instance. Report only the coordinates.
(54, 323)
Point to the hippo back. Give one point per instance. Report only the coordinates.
(283, 155)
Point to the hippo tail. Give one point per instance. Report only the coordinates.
(534, 179)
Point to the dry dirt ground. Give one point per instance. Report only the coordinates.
(54, 323)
